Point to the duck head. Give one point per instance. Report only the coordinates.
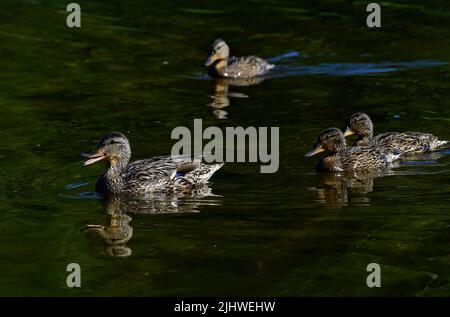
(113, 148)
(360, 124)
(331, 140)
(218, 51)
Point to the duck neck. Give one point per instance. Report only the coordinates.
(117, 167)
(366, 134)
(221, 66)
(113, 181)
(338, 146)
(365, 139)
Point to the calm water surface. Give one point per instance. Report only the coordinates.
(136, 68)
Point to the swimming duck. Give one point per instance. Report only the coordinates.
(342, 158)
(406, 142)
(154, 175)
(222, 65)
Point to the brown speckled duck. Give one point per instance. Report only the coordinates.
(162, 174)
(341, 158)
(222, 65)
(406, 142)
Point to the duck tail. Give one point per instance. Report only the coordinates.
(203, 173)
(439, 143)
(394, 155)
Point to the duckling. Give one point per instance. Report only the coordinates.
(406, 142)
(342, 158)
(162, 174)
(222, 65)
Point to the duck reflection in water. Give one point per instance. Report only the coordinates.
(220, 97)
(118, 231)
(340, 189)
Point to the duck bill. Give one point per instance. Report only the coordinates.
(315, 151)
(348, 132)
(209, 61)
(93, 158)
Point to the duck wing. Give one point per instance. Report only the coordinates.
(366, 158)
(247, 66)
(421, 142)
(408, 142)
(203, 173)
(151, 174)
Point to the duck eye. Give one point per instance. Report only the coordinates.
(361, 119)
(113, 142)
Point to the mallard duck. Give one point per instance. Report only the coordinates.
(406, 142)
(154, 175)
(342, 158)
(222, 65)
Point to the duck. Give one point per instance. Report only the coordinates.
(341, 158)
(221, 64)
(161, 174)
(361, 125)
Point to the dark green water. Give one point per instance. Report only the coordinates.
(136, 68)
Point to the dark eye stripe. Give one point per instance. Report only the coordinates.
(354, 120)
